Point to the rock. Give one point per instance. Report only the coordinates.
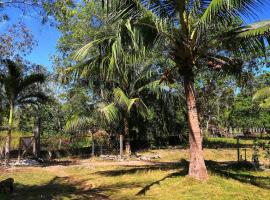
(136, 156)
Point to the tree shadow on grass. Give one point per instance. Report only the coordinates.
(234, 170)
(57, 188)
(163, 166)
(182, 166)
(172, 175)
(238, 171)
(70, 188)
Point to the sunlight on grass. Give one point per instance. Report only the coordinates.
(150, 182)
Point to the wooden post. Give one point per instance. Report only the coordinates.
(230, 131)
(19, 150)
(121, 145)
(93, 148)
(238, 150)
(36, 145)
(101, 149)
(93, 144)
(60, 144)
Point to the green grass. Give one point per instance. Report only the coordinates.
(103, 180)
(216, 143)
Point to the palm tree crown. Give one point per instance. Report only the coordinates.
(20, 89)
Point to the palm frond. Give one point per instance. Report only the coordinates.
(39, 97)
(230, 8)
(261, 94)
(31, 79)
(156, 88)
(120, 98)
(14, 69)
(83, 52)
(140, 105)
(265, 104)
(110, 113)
(78, 123)
(21, 89)
(254, 30)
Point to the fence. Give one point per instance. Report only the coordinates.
(216, 131)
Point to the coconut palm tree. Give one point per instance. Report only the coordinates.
(19, 90)
(119, 58)
(127, 97)
(198, 33)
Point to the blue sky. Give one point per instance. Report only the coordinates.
(47, 36)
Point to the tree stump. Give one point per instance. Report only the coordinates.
(6, 186)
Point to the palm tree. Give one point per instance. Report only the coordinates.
(120, 108)
(119, 58)
(199, 33)
(19, 89)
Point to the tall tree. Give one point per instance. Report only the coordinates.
(19, 89)
(119, 60)
(199, 34)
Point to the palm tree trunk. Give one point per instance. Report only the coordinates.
(197, 168)
(8, 138)
(127, 143)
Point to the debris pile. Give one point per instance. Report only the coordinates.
(148, 157)
(135, 156)
(25, 162)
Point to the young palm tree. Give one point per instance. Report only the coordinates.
(18, 90)
(120, 108)
(199, 33)
(120, 58)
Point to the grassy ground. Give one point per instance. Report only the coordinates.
(163, 179)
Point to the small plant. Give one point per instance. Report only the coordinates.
(102, 138)
(80, 142)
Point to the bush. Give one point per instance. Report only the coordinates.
(15, 138)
